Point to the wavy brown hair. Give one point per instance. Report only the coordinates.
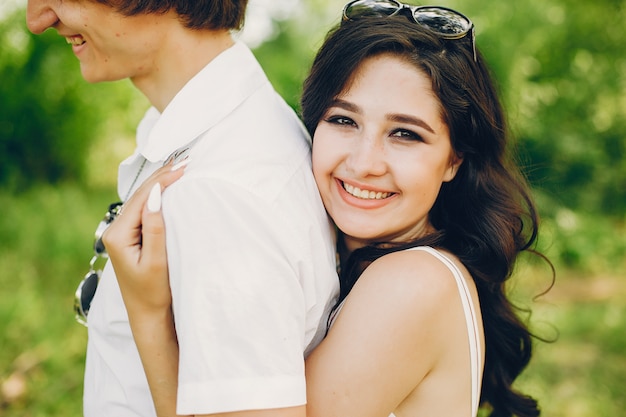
(485, 215)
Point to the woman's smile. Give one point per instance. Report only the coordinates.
(364, 193)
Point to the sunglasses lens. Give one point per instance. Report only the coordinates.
(370, 8)
(84, 295)
(444, 22)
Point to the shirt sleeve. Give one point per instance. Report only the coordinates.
(238, 303)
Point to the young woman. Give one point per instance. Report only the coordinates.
(411, 158)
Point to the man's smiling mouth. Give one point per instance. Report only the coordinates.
(75, 40)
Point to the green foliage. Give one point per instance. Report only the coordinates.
(49, 117)
(34, 109)
(288, 56)
(47, 233)
(583, 372)
(562, 73)
(578, 240)
(286, 63)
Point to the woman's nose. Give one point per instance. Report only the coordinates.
(367, 157)
(40, 15)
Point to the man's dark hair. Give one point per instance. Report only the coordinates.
(194, 14)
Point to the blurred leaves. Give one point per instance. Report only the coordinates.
(45, 247)
(560, 64)
(35, 138)
(561, 67)
(49, 117)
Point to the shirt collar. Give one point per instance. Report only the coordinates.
(206, 99)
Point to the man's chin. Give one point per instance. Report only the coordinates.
(94, 77)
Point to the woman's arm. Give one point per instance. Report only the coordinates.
(135, 242)
(389, 336)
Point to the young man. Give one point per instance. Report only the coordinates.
(250, 250)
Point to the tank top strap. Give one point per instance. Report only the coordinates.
(470, 320)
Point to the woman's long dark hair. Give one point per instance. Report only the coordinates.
(485, 216)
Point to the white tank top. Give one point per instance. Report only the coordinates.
(471, 321)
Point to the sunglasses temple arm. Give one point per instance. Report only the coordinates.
(474, 44)
(93, 261)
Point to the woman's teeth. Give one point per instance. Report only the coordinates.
(365, 194)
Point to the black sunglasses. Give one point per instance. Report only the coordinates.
(445, 22)
(87, 288)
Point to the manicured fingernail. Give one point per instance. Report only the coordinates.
(154, 199)
(181, 164)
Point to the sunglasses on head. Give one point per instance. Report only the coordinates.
(87, 288)
(446, 23)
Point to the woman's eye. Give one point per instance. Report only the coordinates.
(340, 120)
(406, 134)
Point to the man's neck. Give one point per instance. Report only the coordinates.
(184, 53)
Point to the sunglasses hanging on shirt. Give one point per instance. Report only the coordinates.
(87, 288)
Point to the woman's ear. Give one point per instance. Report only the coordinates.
(456, 159)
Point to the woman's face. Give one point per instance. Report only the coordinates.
(108, 45)
(381, 153)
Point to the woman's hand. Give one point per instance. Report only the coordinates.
(135, 242)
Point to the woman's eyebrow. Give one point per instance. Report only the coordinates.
(396, 117)
(405, 118)
(346, 105)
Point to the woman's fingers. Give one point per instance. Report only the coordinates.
(153, 250)
(126, 230)
(135, 242)
(165, 175)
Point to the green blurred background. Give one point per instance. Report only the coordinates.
(561, 66)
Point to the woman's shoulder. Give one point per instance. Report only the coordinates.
(396, 305)
(420, 272)
(412, 287)
(404, 298)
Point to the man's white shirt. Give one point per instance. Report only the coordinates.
(250, 251)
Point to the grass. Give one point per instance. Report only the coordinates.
(582, 373)
(46, 237)
(45, 245)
